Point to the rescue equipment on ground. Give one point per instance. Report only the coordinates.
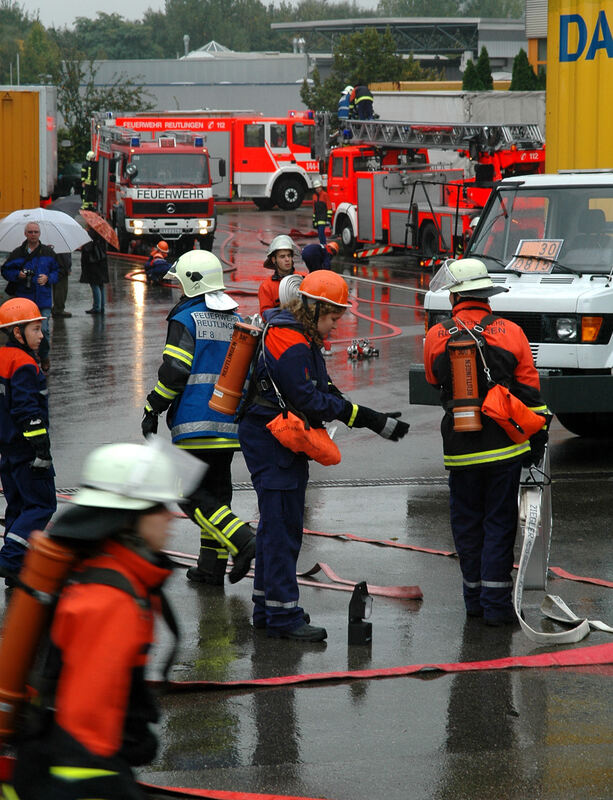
(535, 526)
(465, 386)
(46, 565)
(300, 437)
(228, 389)
(361, 348)
(360, 608)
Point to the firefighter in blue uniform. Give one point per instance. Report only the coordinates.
(200, 327)
(26, 468)
(292, 359)
(485, 465)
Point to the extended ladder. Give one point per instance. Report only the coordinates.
(443, 136)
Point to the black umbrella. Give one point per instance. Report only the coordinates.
(70, 204)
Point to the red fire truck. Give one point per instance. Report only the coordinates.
(154, 188)
(385, 194)
(269, 159)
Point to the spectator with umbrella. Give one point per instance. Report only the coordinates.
(95, 270)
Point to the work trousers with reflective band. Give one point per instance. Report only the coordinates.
(221, 531)
(483, 506)
(30, 504)
(71, 783)
(278, 542)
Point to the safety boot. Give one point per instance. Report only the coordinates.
(211, 567)
(231, 533)
(304, 633)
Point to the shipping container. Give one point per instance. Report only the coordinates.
(579, 80)
(28, 146)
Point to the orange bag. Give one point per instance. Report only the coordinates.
(299, 437)
(517, 420)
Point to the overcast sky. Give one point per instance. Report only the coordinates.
(63, 12)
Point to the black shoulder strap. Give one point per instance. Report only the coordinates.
(110, 577)
(457, 330)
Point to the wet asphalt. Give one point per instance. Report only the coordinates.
(507, 734)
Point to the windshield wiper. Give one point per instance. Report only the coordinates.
(492, 258)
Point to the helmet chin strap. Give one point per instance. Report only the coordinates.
(306, 304)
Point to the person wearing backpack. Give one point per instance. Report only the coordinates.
(91, 722)
(290, 367)
(484, 464)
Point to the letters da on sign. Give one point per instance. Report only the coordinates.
(574, 35)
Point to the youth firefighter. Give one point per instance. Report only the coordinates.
(26, 468)
(157, 264)
(484, 465)
(200, 327)
(290, 365)
(279, 258)
(92, 720)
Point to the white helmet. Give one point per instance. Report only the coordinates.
(463, 276)
(137, 476)
(348, 89)
(90, 155)
(316, 182)
(199, 272)
(289, 288)
(281, 242)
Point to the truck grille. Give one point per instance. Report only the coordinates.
(531, 324)
(182, 209)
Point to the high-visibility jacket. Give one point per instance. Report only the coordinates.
(322, 211)
(196, 346)
(508, 356)
(359, 95)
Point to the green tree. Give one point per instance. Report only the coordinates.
(110, 36)
(79, 97)
(523, 77)
(363, 57)
(14, 26)
(40, 56)
(419, 8)
(483, 70)
(471, 82)
(494, 9)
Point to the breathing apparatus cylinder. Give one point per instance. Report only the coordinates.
(46, 566)
(465, 388)
(228, 390)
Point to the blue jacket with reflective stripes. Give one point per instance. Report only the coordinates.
(196, 346)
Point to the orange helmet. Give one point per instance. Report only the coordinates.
(332, 248)
(19, 311)
(161, 248)
(327, 286)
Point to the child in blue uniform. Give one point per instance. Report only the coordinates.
(26, 469)
(291, 358)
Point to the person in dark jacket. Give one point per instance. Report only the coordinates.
(93, 716)
(60, 288)
(291, 360)
(89, 182)
(26, 468)
(361, 103)
(322, 210)
(317, 257)
(200, 327)
(484, 465)
(95, 270)
(31, 270)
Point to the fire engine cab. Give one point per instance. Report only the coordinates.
(155, 187)
(269, 159)
(384, 191)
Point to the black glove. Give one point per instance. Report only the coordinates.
(42, 449)
(385, 424)
(538, 443)
(149, 423)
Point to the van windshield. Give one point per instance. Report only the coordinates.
(581, 217)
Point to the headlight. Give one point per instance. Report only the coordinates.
(566, 328)
(203, 224)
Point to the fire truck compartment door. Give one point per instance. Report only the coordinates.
(218, 143)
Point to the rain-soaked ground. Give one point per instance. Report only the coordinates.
(504, 734)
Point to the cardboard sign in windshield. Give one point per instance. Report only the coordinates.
(536, 256)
